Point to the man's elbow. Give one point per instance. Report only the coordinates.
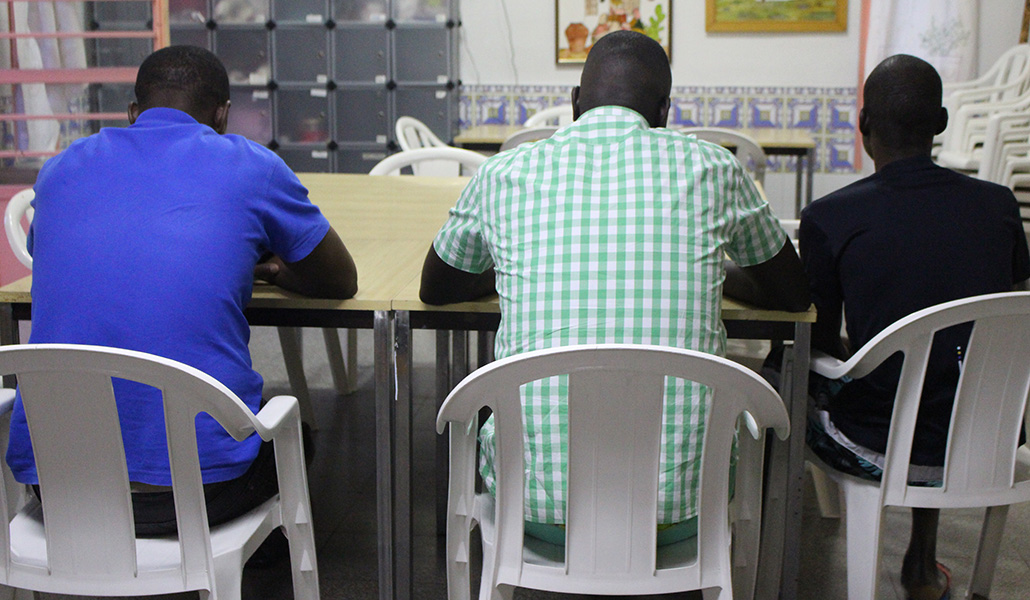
(797, 302)
(435, 297)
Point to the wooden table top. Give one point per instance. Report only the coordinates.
(768, 138)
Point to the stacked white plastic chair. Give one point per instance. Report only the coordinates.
(984, 464)
(88, 545)
(615, 405)
(1004, 88)
(413, 134)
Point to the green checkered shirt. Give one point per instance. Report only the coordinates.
(609, 231)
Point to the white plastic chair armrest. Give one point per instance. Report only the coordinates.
(6, 400)
(828, 366)
(277, 414)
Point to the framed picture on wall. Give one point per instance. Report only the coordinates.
(776, 15)
(580, 23)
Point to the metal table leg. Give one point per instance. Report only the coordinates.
(384, 454)
(402, 456)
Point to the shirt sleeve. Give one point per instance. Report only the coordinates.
(293, 224)
(756, 235)
(461, 242)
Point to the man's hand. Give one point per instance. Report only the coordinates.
(269, 269)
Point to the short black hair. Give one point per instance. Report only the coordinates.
(189, 74)
(902, 100)
(626, 68)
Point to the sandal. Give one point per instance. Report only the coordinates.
(947, 586)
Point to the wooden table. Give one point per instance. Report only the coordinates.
(775, 142)
(388, 224)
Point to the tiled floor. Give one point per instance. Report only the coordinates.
(343, 493)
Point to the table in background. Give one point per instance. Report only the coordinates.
(775, 142)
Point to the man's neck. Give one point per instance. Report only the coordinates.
(885, 156)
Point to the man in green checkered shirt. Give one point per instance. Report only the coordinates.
(612, 230)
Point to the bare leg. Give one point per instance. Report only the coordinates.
(920, 576)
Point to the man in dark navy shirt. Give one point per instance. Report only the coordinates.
(910, 236)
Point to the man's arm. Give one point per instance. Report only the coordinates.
(444, 284)
(778, 283)
(327, 272)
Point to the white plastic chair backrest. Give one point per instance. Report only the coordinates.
(748, 151)
(560, 115)
(1003, 130)
(73, 421)
(615, 404)
(457, 160)
(990, 401)
(19, 208)
(1005, 79)
(413, 134)
(531, 134)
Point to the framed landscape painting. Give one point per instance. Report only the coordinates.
(776, 15)
(580, 23)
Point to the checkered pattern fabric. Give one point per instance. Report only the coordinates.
(609, 231)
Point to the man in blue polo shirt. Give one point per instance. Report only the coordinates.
(149, 238)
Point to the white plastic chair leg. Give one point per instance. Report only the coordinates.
(987, 551)
(343, 361)
(827, 492)
(864, 525)
(293, 356)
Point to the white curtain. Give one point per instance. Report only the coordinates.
(941, 32)
(47, 53)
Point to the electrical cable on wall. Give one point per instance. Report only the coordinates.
(463, 41)
(511, 42)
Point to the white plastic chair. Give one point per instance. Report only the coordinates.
(983, 467)
(413, 134)
(530, 134)
(1006, 81)
(88, 545)
(455, 161)
(18, 209)
(615, 404)
(967, 131)
(748, 151)
(560, 115)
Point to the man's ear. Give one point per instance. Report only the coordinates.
(863, 122)
(133, 112)
(575, 103)
(221, 120)
(942, 120)
(663, 113)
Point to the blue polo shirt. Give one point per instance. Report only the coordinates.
(146, 238)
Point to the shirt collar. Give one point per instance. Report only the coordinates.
(606, 122)
(160, 115)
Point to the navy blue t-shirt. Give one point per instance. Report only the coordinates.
(908, 237)
(146, 238)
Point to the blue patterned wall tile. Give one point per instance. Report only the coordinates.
(840, 153)
(765, 112)
(687, 111)
(464, 111)
(726, 111)
(804, 113)
(843, 114)
(492, 109)
(527, 106)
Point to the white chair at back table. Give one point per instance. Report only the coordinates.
(560, 115)
(458, 161)
(615, 405)
(88, 545)
(18, 209)
(412, 134)
(530, 134)
(748, 151)
(984, 464)
(344, 371)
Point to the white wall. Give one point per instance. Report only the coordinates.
(524, 54)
